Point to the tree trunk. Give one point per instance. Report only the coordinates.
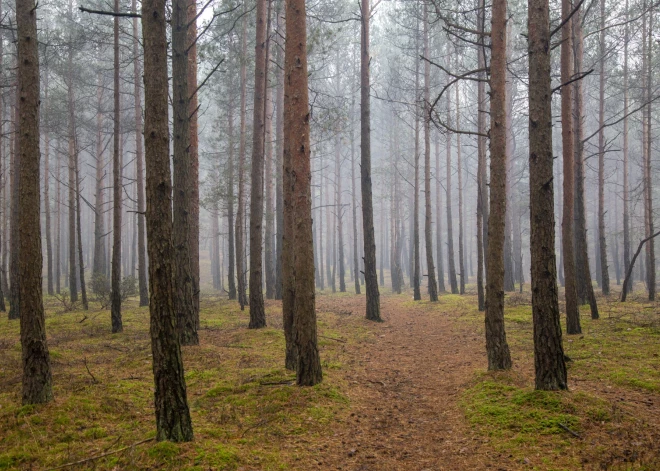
(171, 404)
(582, 270)
(37, 378)
(549, 366)
(570, 282)
(47, 208)
(257, 312)
(626, 186)
(231, 262)
(338, 212)
(71, 134)
(499, 357)
(438, 208)
(193, 200)
(356, 265)
(481, 155)
(450, 229)
(650, 246)
(184, 303)
(299, 203)
(115, 295)
(602, 242)
(370, 276)
(417, 295)
(139, 166)
(279, 140)
(428, 222)
(269, 236)
(100, 261)
(14, 293)
(240, 210)
(81, 264)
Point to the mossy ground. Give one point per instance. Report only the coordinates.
(379, 387)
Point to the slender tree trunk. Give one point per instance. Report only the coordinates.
(49, 245)
(549, 365)
(339, 212)
(416, 272)
(37, 378)
(184, 284)
(14, 293)
(231, 263)
(356, 265)
(509, 271)
(459, 168)
(171, 404)
(257, 312)
(269, 236)
(240, 210)
(428, 222)
(370, 276)
(481, 155)
(71, 134)
(497, 348)
(139, 166)
(81, 259)
(602, 242)
(450, 228)
(626, 185)
(279, 143)
(193, 201)
(438, 209)
(582, 270)
(299, 203)
(99, 264)
(570, 282)
(115, 295)
(58, 226)
(650, 246)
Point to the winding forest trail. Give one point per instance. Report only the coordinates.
(405, 384)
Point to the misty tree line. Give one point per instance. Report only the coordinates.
(281, 118)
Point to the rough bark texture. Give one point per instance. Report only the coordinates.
(428, 222)
(184, 303)
(14, 243)
(269, 232)
(499, 357)
(370, 276)
(139, 166)
(481, 157)
(37, 379)
(297, 154)
(115, 294)
(257, 312)
(193, 202)
(549, 366)
(567, 139)
(172, 413)
(279, 150)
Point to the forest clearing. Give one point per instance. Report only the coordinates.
(410, 393)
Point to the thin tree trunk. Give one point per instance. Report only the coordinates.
(99, 264)
(356, 266)
(650, 246)
(549, 365)
(193, 200)
(416, 272)
(570, 282)
(497, 348)
(49, 245)
(257, 312)
(459, 168)
(602, 242)
(370, 276)
(450, 229)
(339, 211)
(231, 263)
(279, 139)
(81, 259)
(481, 155)
(171, 404)
(240, 210)
(14, 294)
(626, 185)
(139, 166)
(428, 223)
(269, 249)
(71, 130)
(438, 208)
(37, 378)
(115, 295)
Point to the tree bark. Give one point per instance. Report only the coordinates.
(37, 378)
(450, 228)
(626, 186)
(356, 265)
(47, 208)
(497, 348)
(481, 155)
(648, 175)
(299, 206)
(438, 208)
(416, 272)
(184, 284)
(257, 312)
(240, 210)
(172, 413)
(279, 150)
(232, 269)
(568, 247)
(370, 276)
(81, 264)
(193, 202)
(549, 365)
(100, 260)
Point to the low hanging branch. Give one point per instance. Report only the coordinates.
(624, 292)
(110, 13)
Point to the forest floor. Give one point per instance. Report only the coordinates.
(410, 393)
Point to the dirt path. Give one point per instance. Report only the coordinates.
(404, 390)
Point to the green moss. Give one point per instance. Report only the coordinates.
(164, 451)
